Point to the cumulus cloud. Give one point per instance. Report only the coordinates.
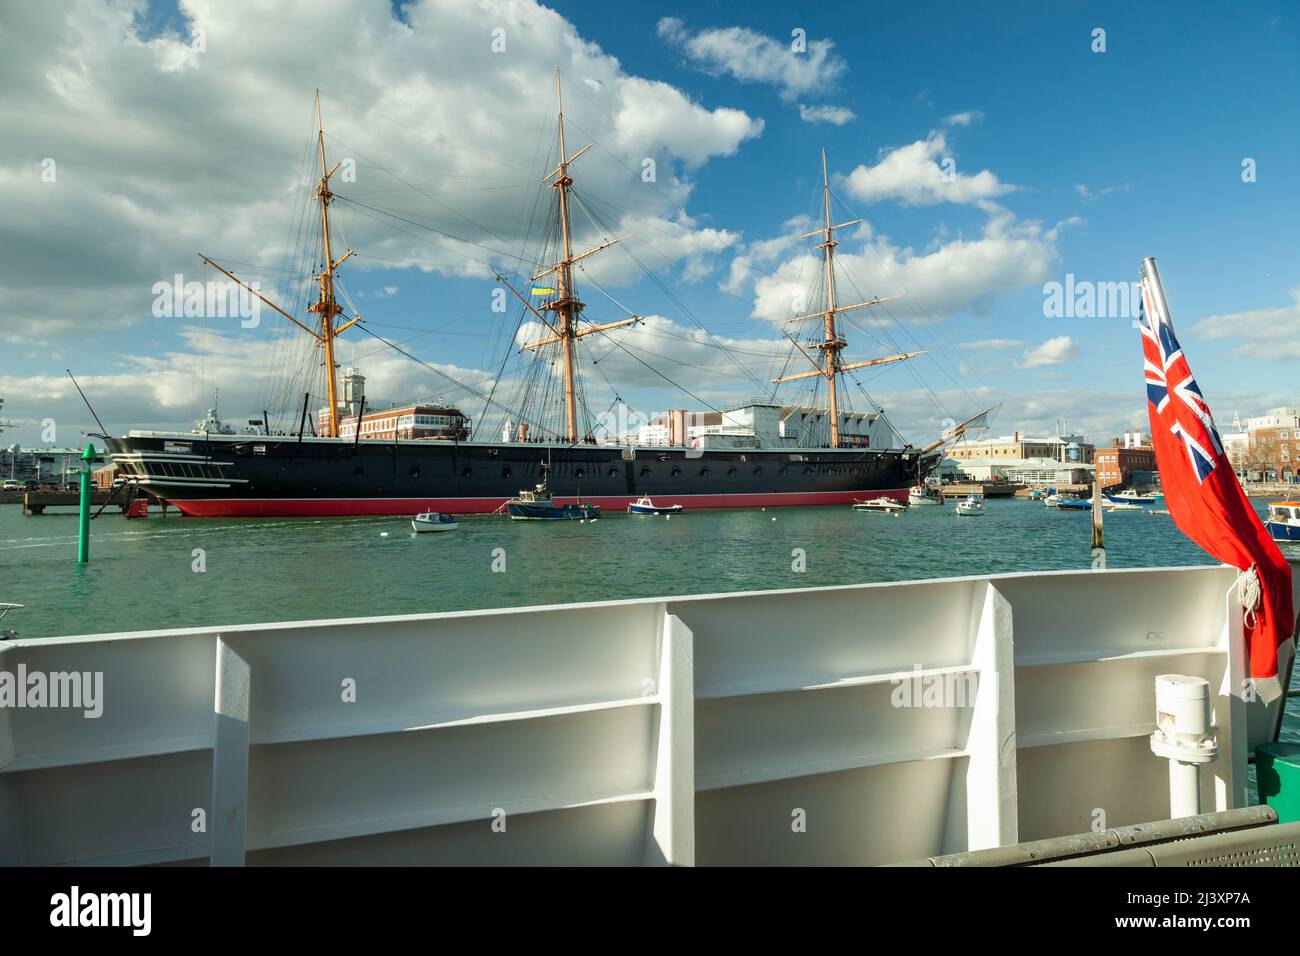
(963, 119)
(162, 147)
(922, 173)
(753, 57)
(1269, 334)
(1054, 351)
(835, 115)
(962, 273)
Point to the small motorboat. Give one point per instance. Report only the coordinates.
(1125, 507)
(537, 505)
(1058, 499)
(882, 505)
(433, 521)
(1075, 504)
(644, 506)
(923, 495)
(971, 507)
(1133, 498)
(1283, 521)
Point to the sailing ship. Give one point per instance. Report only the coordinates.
(431, 460)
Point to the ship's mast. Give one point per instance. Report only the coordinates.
(566, 304)
(326, 305)
(832, 343)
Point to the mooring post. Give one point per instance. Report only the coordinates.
(1098, 541)
(83, 533)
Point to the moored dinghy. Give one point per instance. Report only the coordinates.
(537, 505)
(972, 507)
(645, 506)
(433, 521)
(882, 505)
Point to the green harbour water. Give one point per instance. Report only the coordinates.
(142, 572)
(142, 575)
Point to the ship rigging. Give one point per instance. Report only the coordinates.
(764, 452)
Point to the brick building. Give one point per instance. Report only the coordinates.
(1116, 464)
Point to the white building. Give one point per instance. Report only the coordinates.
(767, 425)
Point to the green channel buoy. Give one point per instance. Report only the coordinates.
(83, 533)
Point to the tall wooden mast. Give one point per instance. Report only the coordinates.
(566, 304)
(326, 305)
(833, 343)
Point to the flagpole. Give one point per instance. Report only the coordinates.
(1151, 280)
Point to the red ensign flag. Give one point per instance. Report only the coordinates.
(1202, 493)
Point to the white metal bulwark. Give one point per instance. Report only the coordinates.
(915, 719)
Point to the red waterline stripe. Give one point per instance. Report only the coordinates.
(339, 507)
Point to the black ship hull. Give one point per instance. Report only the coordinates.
(277, 476)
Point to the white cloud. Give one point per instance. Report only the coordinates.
(1088, 194)
(956, 275)
(919, 175)
(1269, 334)
(835, 115)
(756, 58)
(1054, 351)
(963, 119)
(162, 150)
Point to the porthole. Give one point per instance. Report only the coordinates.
(358, 470)
(645, 471)
(732, 472)
(676, 472)
(415, 471)
(464, 471)
(704, 472)
(505, 472)
(758, 472)
(613, 473)
(579, 472)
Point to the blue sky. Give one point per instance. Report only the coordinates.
(1085, 161)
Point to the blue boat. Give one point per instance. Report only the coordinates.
(1283, 521)
(1084, 504)
(645, 506)
(1133, 498)
(537, 505)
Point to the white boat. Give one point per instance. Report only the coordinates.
(1283, 522)
(1054, 501)
(971, 507)
(1131, 497)
(1126, 506)
(922, 495)
(433, 521)
(645, 506)
(883, 505)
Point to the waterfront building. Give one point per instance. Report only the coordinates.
(1018, 447)
(1268, 449)
(1125, 461)
(766, 424)
(411, 421)
(40, 465)
(1040, 471)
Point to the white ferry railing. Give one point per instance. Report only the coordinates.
(858, 725)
